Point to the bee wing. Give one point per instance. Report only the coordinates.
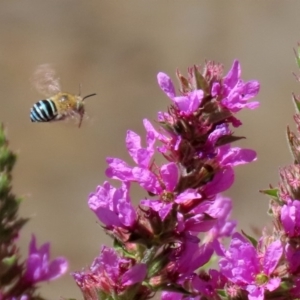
(45, 80)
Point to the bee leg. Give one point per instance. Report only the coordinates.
(80, 119)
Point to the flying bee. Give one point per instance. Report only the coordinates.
(59, 105)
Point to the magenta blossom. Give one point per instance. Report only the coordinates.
(220, 210)
(110, 274)
(293, 258)
(290, 218)
(228, 157)
(163, 185)
(157, 247)
(199, 219)
(186, 104)
(119, 169)
(234, 92)
(177, 296)
(209, 283)
(189, 257)
(251, 270)
(23, 297)
(113, 206)
(204, 284)
(38, 267)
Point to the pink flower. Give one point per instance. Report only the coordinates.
(290, 218)
(292, 256)
(249, 269)
(234, 92)
(38, 267)
(110, 274)
(113, 206)
(166, 84)
(186, 104)
(163, 185)
(220, 210)
(228, 157)
(118, 169)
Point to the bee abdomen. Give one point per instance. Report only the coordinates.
(43, 111)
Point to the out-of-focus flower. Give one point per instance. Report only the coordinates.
(38, 265)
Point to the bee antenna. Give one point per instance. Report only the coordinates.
(88, 96)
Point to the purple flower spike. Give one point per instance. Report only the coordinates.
(38, 267)
(156, 244)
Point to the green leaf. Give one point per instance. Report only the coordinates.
(297, 56)
(9, 261)
(285, 285)
(296, 102)
(227, 139)
(270, 212)
(222, 293)
(167, 127)
(271, 192)
(252, 240)
(201, 83)
(3, 140)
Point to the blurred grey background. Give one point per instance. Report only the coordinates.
(116, 48)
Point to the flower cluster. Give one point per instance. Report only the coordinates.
(164, 243)
(168, 242)
(19, 279)
(270, 267)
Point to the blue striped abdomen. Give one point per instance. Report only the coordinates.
(43, 111)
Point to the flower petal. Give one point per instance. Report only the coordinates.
(237, 156)
(134, 275)
(118, 169)
(221, 181)
(232, 77)
(169, 173)
(166, 84)
(272, 257)
(147, 180)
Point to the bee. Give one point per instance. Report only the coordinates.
(58, 105)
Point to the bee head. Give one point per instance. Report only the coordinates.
(80, 107)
